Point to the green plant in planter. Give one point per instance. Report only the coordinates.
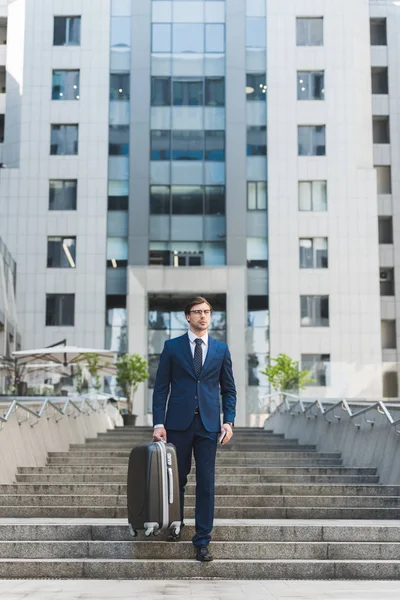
(131, 371)
(94, 366)
(81, 384)
(284, 374)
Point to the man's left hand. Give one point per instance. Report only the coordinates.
(227, 429)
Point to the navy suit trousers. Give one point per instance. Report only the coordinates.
(203, 444)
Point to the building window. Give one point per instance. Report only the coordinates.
(314, 311)
(381, 130)
(187, 200)
(214, 91)
(215, 37)
(310, 85)
(380, 81)
(257, 253)
(256, 87)
(1, 129)
(65, 85)
(118, 140)
(257, 141)
(214, 146)
(187, 145)
(62, 194)
(160, 144)
(390, 385)
(188, 37)
(118, 195)
(319, 367)
(2, 80)
(256, 195)
(313, 253)
(67, 31)
(388, 334)
(312, 140)
(60, 310)
(3, 31)
(61, 252)
(160, 199)
(187, 91)
(386, 279)
(310, 31)
(161, 91)
(187, 254)
(313, 196)
(116, 323)
(64, 140)
(256, 32)
(385, 230)
(161, 37)
(120, 86)
(214, 200)
(117, 252)
(384, 179)
(378, 32)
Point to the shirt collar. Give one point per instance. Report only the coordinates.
(193, 336)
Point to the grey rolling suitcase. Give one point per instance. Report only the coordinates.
(153, 489)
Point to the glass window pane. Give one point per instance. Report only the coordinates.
(187, 200)
(64, 140)
(62, 195)
(256, 86)
(256, 32)
(215, 145)
(381, 130)
(60, 310)
(316, 32)
(187, 145)
(311, 140)
(61, 253)
(121, 8)
(320, 253)
(119, 140)
(380, 80)
(161, 91)
(251, 195)
(161, 37)
(117, 248)
(214, 254)
(262, 195)
(306, 254)
(119, 86)
(215, 200)
(378, 32)
(215, 91)
(67, 31)
(121, 28)
(159, 200)
(215, 37)
(65, 85)
(161, 144)
(188, 37)
(305, 195)
(319, 195)
(187, 92)
(257, 141)
(384, 179)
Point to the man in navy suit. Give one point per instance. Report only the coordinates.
(193, 369)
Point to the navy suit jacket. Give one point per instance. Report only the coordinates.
(177, 384)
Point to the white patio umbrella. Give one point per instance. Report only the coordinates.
(62, 355)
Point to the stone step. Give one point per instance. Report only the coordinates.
(69, 568)
(220, 470)
(321, 551)
(221, 512)
(220, 501)
(256, 489)
(221, 455)
(121, 478)
(221, 462)
(224, 530)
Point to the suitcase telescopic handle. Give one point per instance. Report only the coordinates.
(170, 485)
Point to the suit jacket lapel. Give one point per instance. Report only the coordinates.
(210, 354)
(187, 354)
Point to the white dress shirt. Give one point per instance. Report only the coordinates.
(204, 348)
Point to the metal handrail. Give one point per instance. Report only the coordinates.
(79, 403)
(299, 406)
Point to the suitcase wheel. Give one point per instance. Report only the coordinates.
(132, 531)
(149, 532)
(176, 531)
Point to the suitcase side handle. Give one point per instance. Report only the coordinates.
(170, 486)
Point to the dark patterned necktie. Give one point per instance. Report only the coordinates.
(198, 356)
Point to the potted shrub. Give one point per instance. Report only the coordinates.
(131, 371)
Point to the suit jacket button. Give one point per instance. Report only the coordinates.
(198, 381)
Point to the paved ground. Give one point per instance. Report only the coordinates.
(199, 590)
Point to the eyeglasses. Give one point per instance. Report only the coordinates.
(200, 312)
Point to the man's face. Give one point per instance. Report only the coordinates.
(199, 317)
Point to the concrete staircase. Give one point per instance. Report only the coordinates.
(282, 511)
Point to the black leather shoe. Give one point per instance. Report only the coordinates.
(203, 554)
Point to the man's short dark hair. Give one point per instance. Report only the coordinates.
(193, 302)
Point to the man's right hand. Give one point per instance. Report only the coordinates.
(159, 434)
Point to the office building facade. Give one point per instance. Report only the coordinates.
(241, 149)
